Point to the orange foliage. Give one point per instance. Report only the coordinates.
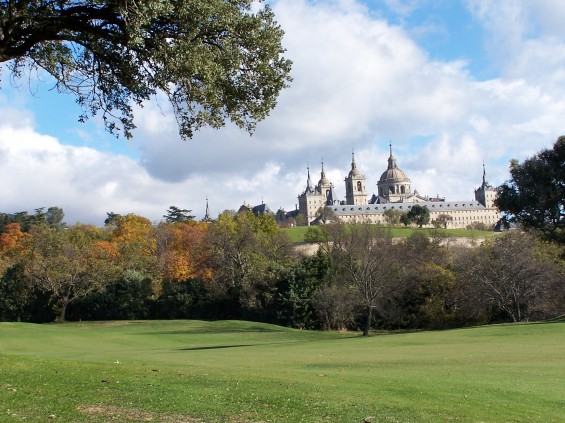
(12, 238)
(182, 250)
(106, 249)
(135, 232)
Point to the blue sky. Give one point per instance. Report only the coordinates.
(451, 84)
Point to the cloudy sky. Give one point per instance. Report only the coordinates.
(451, 84)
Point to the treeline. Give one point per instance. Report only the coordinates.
(242, 266)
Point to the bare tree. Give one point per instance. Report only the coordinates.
(508, 273)
(366, 259)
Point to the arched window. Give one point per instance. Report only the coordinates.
(358, 185)
(403, 189)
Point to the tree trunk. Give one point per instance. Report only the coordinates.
(62, 313)
(368, 322)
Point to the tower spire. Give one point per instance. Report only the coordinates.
(207, 217)
(391, 159)
(308, 181)
(485, 181)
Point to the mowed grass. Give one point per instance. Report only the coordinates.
(298, 233)
(194, 371)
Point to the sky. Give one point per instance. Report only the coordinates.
(451, 84)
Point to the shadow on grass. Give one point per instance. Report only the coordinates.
(197, 331)
(218, 347)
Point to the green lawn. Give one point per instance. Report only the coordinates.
(193, 371)
(298, 233)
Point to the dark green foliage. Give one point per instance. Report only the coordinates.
(20, 300)
(295, 288)
(129, 298)
(53, 218)
(175, 214)
(535, 194)
(111, 218)
(214, 60)
(419, 215)
(192, 299)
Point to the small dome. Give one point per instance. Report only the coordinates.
(354, 172)
(324, 181)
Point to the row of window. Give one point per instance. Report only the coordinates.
(409, 207)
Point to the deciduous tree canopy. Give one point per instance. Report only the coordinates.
(213, 59)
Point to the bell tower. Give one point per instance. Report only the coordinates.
(486, 193)
(355, 190)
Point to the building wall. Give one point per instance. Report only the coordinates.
(309, 204)
(462, 213)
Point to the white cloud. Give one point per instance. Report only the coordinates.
(359, 83)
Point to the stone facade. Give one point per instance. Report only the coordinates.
(317, 196)
(394, 193)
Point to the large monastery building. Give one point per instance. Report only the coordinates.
(394, 192)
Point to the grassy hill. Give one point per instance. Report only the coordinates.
(298, 233)
(193, 371)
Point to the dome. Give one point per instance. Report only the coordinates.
(394, 175)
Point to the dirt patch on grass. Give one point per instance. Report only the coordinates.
(112, 413)
(122, 414)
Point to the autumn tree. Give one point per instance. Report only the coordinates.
(10, 238)
(534, 196)
(65, 265)
(214, 60)
(136, 243)
(245, 251)
(15, 289)
(182, 251)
